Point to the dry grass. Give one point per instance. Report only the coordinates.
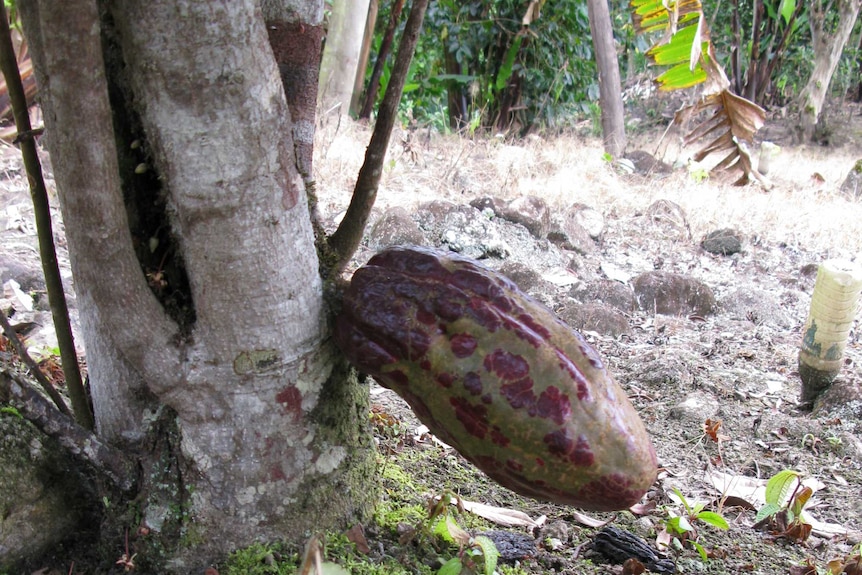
(800, 209)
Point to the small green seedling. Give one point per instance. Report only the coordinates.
(682, 526)
(782, 513)
(9, 410)
(475, 554)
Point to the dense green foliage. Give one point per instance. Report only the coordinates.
(477, 66)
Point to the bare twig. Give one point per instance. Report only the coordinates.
(346, 238)
(81, 443)
(32, 365)
(41, 208)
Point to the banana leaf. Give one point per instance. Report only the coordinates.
(723, 122)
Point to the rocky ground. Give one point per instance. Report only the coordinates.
(694, 292)
(603, 248)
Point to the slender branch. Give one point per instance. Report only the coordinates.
(42, 210)
(755, 56)
(779, 51)
(32, 365)
(382, 54)
(346, 238)
(81, 443)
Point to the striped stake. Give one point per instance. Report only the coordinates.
(834, 304)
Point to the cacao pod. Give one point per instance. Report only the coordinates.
(496, 375)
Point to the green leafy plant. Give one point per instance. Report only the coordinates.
(9, 410)
(723, 121)
(681, 526)
(786, 497)
(475, 554)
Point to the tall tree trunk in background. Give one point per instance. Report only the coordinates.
(757, 11)
(610, 90)
(364, 53)
(220, 374)
(828, 45)
(341, 54)
(456, 100)
(382, 55)
(736, 49)
(858, 97)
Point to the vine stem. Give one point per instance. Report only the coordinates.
(44, 228)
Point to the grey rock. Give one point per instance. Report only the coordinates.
(531, 212)
(597, 317)
(395, 227)
(673, 294)
(695, 407)
(610, 292)
(756, 306)
(512, 546)
(24, 269)
(41, 498)
(463, 229)
(852, 185)
(723, 242)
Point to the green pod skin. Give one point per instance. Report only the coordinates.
(496, 375)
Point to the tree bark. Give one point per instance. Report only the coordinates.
(858, 96)
(828, 45)
(610, 90)
(364, 53)
(249, 400)
(382, 55)
(736, 48)
(341, 54)
(296, 36)
(754, 59)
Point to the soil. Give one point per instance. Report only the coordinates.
(736, 367)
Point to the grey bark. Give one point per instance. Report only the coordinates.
(610, 90)
(828, 45)
(341, 54)
(266, 414)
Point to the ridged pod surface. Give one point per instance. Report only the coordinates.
(498, 376)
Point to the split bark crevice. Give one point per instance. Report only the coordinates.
(67, 52)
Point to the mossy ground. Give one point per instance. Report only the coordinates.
(414, 468)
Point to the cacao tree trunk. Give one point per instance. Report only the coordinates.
(610, 91)
(828, 45)
(215, 367)
(341, 54)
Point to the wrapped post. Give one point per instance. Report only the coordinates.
(834, 304)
